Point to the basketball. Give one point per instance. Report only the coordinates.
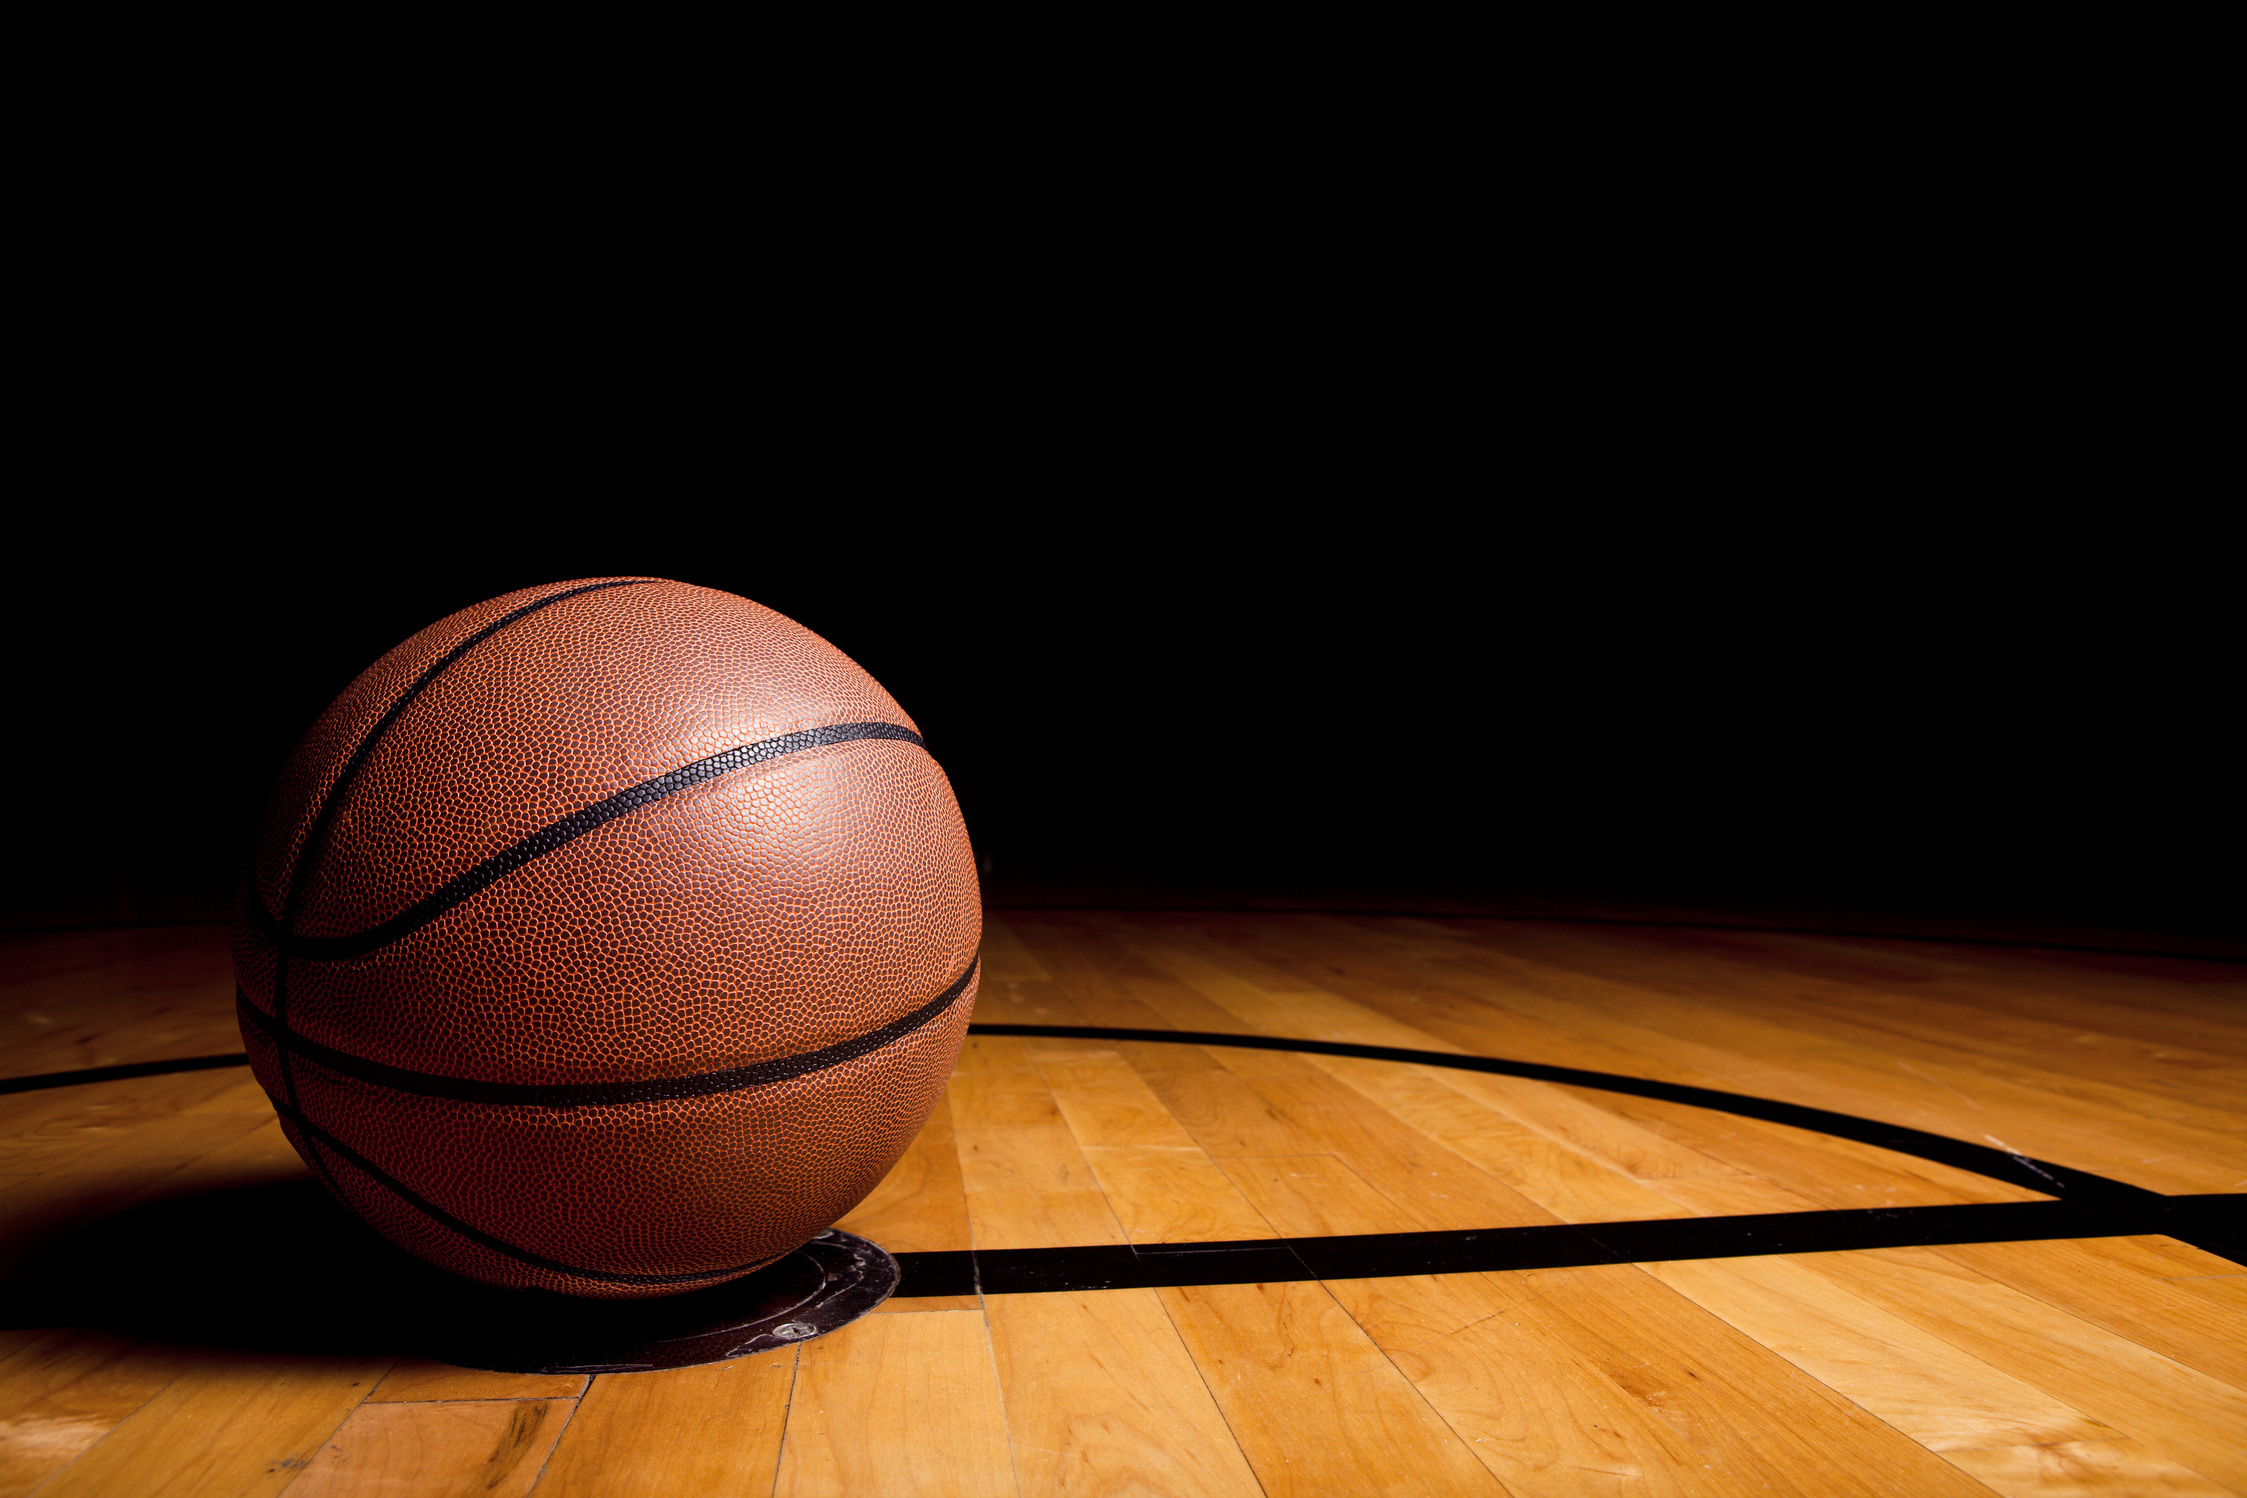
(613, 938)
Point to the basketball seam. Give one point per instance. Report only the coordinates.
(315, 836)
(546, 840)
(438, 1214)
(600, 1094)
(558, 834)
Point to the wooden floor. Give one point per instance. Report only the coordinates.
(2109, 1365)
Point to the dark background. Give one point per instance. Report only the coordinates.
(1497, 691)
(1806, 502)
(1769, 484)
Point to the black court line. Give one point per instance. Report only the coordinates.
(1997, 1164)
(2203, 1221)
(46, 1080)
(2095, 1206)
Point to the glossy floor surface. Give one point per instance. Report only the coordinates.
(2115, 1363)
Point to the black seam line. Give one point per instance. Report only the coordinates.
(316, 835)
(2211, 1222)
(598, 1094)
(2002, 1165)
(568, 829)
(497, 1245)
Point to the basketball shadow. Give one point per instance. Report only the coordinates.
(273, 1267)
(281, 1268)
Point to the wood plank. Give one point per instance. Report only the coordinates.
(1173, 1196)
(898, 1405)
(2228, 1291)
(1103, 1398)
(1037, 1002)
(1108, 1106)
(1315, 1196)
(1802, 1065)
(1569, 1185)
(245, 1096)
(2163, 1257)
(1224, 1115)
(1438, 1187)
(997, 1084)
(1560, 995)
(261, 1157)
(2082, 1279)
(52, 1129)
(1095, 976)
(1601, 1381)
(1004, 955)
(2174, 1410)
(418, 1380)
(441, 1450)
(233, 1424)
(2087, 1467)
(898, 1305)
(1315, 1405)
(1030, 1187)
(1941, 1396)
(1731, 1196)
(712, 1429)
(64, 1389)
(1570, 1118)
(1829, 1171)
(1542, 1417)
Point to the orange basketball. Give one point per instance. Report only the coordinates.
(612, 937)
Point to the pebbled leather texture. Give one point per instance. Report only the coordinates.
(618, 839)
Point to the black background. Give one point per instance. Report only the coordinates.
(1596, 479)
(1349, 687)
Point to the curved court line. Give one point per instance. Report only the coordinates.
(2092, 1206)
(1998, 1165)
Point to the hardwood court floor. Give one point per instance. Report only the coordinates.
(2109, 1364)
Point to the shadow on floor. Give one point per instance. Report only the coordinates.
(281, 1268)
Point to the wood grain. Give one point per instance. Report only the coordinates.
(2106, 1376)
(908, 1405)
(444, 1450)
(1604, 1380)
(713, 1429)
(1032, 1188)
(1285, 1362)
(234, 1424)
(64, 1389)
(1102, 1397)
(418, 1380)
(2100, 1366)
